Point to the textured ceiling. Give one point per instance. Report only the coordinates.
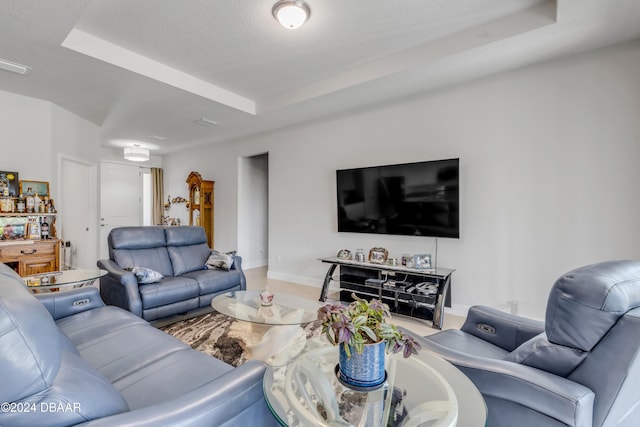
(152, 67)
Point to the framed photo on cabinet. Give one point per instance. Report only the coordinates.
(9, 181)
(30, 188)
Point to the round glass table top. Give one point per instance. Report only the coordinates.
(65, 278)
(285, 309)
(301, 388)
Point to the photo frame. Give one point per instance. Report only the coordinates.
(422, 261)
(10, 181)
(378, 255)
(29, 188)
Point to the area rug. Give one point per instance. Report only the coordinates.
(209, 333)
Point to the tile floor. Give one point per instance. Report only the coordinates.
(257, 280)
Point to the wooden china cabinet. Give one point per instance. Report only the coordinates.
(24, 255)
(201, 204)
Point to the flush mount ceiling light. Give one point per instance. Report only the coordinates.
(291, 14)
(14, 67)
(136, 153)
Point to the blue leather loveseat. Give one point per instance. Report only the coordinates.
(179, 254)
(67, 359)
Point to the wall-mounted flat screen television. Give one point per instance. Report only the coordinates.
(414, 199)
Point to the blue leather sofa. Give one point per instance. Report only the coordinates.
(179, 254)
(67, 359)
(580, 368)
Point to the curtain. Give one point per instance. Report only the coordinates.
(157, 195)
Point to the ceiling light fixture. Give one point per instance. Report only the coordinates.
(291, 14)
(136, 153)
(14, 67)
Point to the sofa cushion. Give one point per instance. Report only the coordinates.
(30, 347)
(78, 394)
(187, 248)
(137, 358)
(154, 258)
(213, 281)
(167, 291)
(220, 260)
(146, 275)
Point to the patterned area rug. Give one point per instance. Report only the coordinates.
(211, 334)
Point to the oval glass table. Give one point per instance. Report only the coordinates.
(55, 281)
(266, 330)
(301, 388)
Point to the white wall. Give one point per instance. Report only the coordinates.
(253, 210)
(549, 176)
(35, 135)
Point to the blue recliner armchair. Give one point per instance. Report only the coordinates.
(579, 368)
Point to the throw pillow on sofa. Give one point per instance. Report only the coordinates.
(146, 275)
(220, 260)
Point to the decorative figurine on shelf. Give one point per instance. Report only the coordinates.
(344, 254)
(266, 297)
(378, 255)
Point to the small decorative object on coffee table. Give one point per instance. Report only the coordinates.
(363, 335)
(266, 297)
(378, 255)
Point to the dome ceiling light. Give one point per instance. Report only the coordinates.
(291, 14)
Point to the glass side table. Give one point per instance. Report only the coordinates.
(301, 389)
(66, 279)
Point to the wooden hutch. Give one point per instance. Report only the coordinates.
(201, 204)
(28, 257)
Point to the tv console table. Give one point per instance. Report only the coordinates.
(415, 292)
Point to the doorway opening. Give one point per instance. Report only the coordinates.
(253, 210)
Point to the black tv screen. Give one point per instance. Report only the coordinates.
(413, 199)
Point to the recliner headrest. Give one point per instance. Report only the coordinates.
(136, 237)
(586, 302)
(30, 348)
(185, 236)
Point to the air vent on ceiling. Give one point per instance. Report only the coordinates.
(207, 122)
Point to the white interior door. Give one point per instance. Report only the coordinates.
(120, 199)
(77, 211)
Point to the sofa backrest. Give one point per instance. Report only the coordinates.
(30, 350)
(40, 370)
(140, 247)
(187, 247)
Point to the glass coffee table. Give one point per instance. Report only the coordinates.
(55, 281)
(301, 389)
(266, 330)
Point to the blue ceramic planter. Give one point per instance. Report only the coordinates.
(364, 369)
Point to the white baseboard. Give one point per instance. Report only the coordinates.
(302, 280)
(246, 265)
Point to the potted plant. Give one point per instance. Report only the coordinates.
(364, 336)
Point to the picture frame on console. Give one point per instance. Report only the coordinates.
(422, 261)
(378, 255)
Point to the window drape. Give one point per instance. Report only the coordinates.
(157, 195)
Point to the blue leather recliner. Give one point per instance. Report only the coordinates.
(180, 255)
(66, 359)
(580, 368)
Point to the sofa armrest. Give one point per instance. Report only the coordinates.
(237, 265)
(63, 304)
(120, 287)
(235, 398)
(502, 329)
(557, 397)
